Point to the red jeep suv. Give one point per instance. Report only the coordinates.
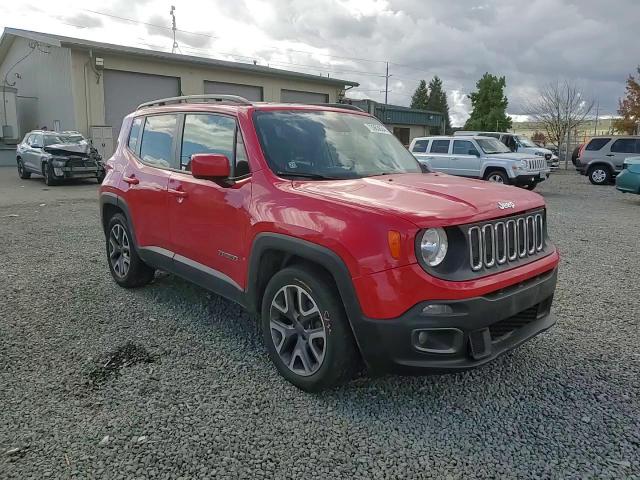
(319, 221)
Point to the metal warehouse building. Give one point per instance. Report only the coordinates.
(72, 84)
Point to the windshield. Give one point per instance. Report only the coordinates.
(525, 142)
(66, 139)
(491, 145)
(321, 145)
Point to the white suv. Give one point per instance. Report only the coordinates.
(480, 157)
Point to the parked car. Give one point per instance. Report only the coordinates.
(58, 156)
(601, 160)
(520, 144)
(318, 221)
(480, 157)
(628, 181)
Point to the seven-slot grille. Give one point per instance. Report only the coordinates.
(537, 163)
(506, 240)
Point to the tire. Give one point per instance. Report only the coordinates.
(599, 175)
(312, 362)
(126, 267)
(496, 176)
(49, 179)
(22, 173)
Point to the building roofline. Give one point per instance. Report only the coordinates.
(61, 41)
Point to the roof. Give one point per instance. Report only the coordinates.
(60, 41)
(395, 114)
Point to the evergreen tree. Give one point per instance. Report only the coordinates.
(420, 96)
(489, 105)
(437, 102)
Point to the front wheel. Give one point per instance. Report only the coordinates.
(599, 175)
(306, 331)
(496, 176)
(49, 178)
(22, 172)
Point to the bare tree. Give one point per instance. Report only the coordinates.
(560, 108)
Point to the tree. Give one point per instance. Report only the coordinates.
(420, 96)
(489, 105)
(437, 102)
(539, 138)
(560, 108)
(629, 108)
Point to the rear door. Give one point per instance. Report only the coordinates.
(439, 156)
(209, 219)
(463, 161)
(150, 154)
(623, 148)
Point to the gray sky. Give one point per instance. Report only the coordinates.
(592, 42)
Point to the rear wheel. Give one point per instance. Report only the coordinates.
(496, 176)
(127, 268)
(599, 175)
(306, 331)
(22, 173)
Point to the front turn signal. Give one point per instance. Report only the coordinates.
(395, 245)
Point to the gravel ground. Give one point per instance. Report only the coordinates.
(196, 396)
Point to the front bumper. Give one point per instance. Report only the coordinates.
(470, 332)
(530, 178)
(87, 171)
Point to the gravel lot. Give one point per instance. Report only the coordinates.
(198, 398)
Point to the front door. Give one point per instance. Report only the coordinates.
(209, 219)
(464, 161)
(33, 152)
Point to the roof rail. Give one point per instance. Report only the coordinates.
(196, 98)
(345, 106)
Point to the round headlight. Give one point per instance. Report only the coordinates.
(433, 246)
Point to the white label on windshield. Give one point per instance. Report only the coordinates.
(377, 128)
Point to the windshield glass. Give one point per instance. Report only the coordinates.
(317, 144)
(491, 145)
(525, 142)
(55, 139)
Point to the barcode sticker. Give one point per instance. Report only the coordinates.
(377, 128)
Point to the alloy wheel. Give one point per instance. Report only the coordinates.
(119, 250)
(599, 175)
(297, 330)
(20, 169)
(495, 178)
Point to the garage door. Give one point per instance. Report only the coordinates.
(250, 92)
(297, 96)
(124, 91)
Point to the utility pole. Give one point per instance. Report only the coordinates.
(386, 87)
(595, 127)
(173, 28)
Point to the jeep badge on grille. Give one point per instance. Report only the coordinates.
(505, 205)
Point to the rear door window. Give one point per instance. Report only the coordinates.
(420, 146)
(440, 146)
(625, 145)
(597, 144)
(158, 136)
(462, 147)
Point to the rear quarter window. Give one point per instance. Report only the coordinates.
(597, 143)
(420, 146)
(134, 134)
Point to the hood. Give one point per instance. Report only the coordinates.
(427, 199)
(77, 149)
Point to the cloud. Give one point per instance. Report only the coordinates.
(84, 20)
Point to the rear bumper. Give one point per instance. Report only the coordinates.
(465, 334)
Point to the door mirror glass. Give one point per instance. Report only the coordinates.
(210, 166)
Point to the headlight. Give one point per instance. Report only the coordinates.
(433, 246)
(539, 154)
(59, 163)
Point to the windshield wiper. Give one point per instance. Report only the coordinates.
(315, 176)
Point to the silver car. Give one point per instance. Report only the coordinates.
(602, 158)
(480, 157)
(58, 156)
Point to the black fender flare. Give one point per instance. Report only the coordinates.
(312, 252)
(109, 198)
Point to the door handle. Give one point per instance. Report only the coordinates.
(609, 155)
(178, 193)
(131, 180)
